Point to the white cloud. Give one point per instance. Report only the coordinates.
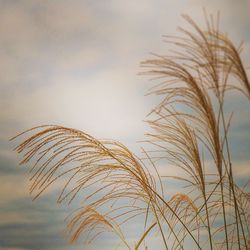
(241, 169)
(12, 188)
(10, 218)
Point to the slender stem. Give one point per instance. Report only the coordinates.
(158, 222)
(231, 181)
(210, 195)
(144, 235)
(208, 221)
(224, 211)
(172, 230)
(220, 102)
(237, 213)
(174, 213)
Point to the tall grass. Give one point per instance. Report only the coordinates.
(189, 126)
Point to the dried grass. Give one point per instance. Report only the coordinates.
(189, 124)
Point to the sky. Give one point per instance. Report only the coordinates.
(76, 63)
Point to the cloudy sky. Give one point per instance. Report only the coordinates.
(75, 63)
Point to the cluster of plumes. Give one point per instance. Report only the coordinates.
(189, 124)
(104, 171)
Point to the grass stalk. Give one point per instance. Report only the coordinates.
(208, 222)
(231, 182)
(144, 235)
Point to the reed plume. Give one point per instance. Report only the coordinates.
(188, 126)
